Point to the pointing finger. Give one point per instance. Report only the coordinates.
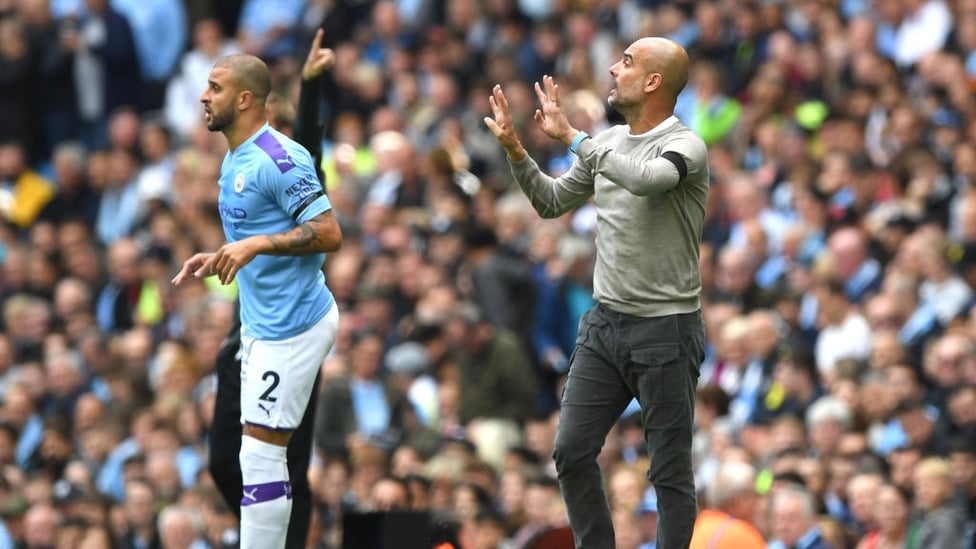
(317, 41)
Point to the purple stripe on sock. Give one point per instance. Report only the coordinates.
(257, 493)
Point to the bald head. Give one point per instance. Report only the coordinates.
(667, 58)
(248, 73)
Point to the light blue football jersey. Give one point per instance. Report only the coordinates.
(268, 185)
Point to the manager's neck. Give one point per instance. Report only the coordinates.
(646, 123)
(648, 115)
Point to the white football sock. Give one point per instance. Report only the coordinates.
(266, 504)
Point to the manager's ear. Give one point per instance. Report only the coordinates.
(652, 82)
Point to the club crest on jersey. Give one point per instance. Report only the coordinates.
(239, 182)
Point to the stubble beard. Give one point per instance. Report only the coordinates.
(219, 121)
(615, 101)
(622, 107)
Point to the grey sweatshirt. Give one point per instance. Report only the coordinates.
(649, 223)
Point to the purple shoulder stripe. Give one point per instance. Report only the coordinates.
(267, 142)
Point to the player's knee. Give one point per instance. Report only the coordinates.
(262, 463)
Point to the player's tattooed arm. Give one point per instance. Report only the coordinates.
(317, 235)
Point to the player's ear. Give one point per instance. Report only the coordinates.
(244, 100)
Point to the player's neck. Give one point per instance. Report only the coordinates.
(243, 128)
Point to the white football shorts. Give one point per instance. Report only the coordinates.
(278, 377)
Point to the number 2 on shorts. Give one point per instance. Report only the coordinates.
(266, 395)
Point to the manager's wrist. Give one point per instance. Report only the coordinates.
(517, 154)
(577, 139)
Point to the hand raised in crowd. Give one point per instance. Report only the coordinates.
(319, 59)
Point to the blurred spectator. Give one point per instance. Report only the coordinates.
(266, 26)
(962, 461)
(119, 209)
(41, 527)
(562, 271)
(19, 412)
(844, 333)
(735, 280)
(862, 491)
(941, 288)
(23, 192)
(826, 420)
(159, 29)
(922, 427)
(140, 514)
(726, 522)
(495, 373)
(489, 531)
(74, 196)
(106, 74)
(158, 164)
(398, 181)
(541, 494)
(116, 302)
(17, 82)
(794, 520)
(388, 494)
(66, 377)
(409, 364)
(179, 529)
(50, 34)
(361, 407)
(501, 281)
(712, 114)
(941, 524)
(851, 263)
(795, 385)
(182, 110)
(890, 511)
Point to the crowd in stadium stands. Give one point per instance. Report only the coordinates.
(837, 402)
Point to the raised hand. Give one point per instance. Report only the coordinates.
(550, 116)
(319, 59)
(502, 125)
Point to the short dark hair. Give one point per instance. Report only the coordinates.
(249, 73)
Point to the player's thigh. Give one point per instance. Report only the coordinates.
(278, 377)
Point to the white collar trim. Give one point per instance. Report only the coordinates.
(664, 125)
